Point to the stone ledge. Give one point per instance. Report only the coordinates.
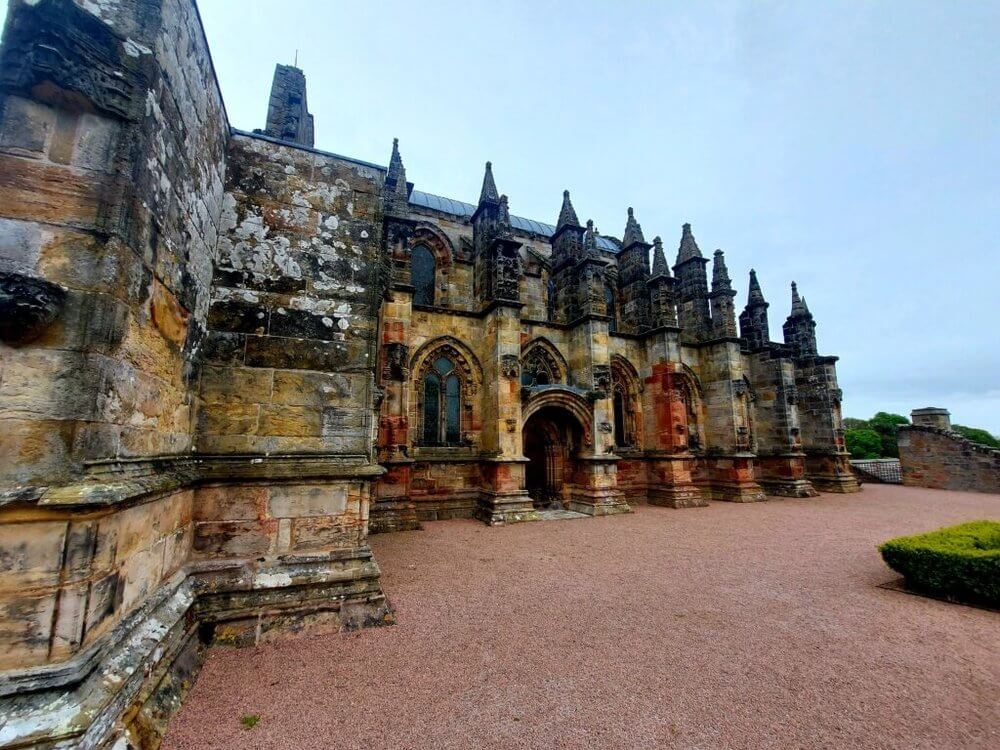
(117, 481)
(81, 701)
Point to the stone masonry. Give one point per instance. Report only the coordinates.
(931, 455)
(227, 357)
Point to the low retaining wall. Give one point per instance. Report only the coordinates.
(941, 459)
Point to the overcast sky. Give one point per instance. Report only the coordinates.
(851, 146)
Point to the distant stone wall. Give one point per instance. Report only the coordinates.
(941, 459)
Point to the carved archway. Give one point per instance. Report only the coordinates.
(539, 356)
(436, 240)
(686, 388)
(552, 439)
(563, 398)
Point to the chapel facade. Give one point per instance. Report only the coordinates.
(527, 366)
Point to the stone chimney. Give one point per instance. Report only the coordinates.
(931, 416)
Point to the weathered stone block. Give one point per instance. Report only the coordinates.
(30, 554)
(26, 126)
(323, 532)
(294, 501)
(291, 421)
(303, 388)
(228, 419)
(233, 538)
(25, 628)
(230, 502)
(220, 385)
(299, 354)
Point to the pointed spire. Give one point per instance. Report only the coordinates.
(633, 232)
(396, 176)
(590, 236)
(567, 214)
(688, 248)
(395, 161)
(755, 295)
(720, 274)
(660, 267)
(800, 328)
(754, 326)
(798, 304)
(489, 192)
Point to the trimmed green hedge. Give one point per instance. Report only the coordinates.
(958, 562)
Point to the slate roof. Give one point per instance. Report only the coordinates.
(465, 210)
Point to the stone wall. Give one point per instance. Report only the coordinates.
(112, 155)
(944, 460)
(186, 395)
(293, 317)
(111, 192)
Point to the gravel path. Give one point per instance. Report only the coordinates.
(732, 626)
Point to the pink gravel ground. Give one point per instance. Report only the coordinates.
(732, 626)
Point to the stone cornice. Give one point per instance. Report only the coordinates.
(111, 482)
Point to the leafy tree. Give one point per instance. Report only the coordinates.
(863, 443)
(887, 426)
(976, 435)
(853, 423)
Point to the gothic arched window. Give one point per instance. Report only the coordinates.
(442, 404)
(422, 275)
(609, 303)
(622, 437)
(625, 400)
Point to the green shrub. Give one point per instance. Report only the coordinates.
(958, 562)
(887, 426)
(976, 435)
(863, 443)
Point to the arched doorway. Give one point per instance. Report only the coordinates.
(552, 438)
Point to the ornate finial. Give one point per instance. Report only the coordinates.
(567, 214)
(395, 178)
(660, 267)
(720, 274)
(489, 192)
(798, 304)
(590, 236)
(633, 232)
(755, 295)
(688, 248)
(504, 211)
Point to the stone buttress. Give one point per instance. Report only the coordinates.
(189, 330)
